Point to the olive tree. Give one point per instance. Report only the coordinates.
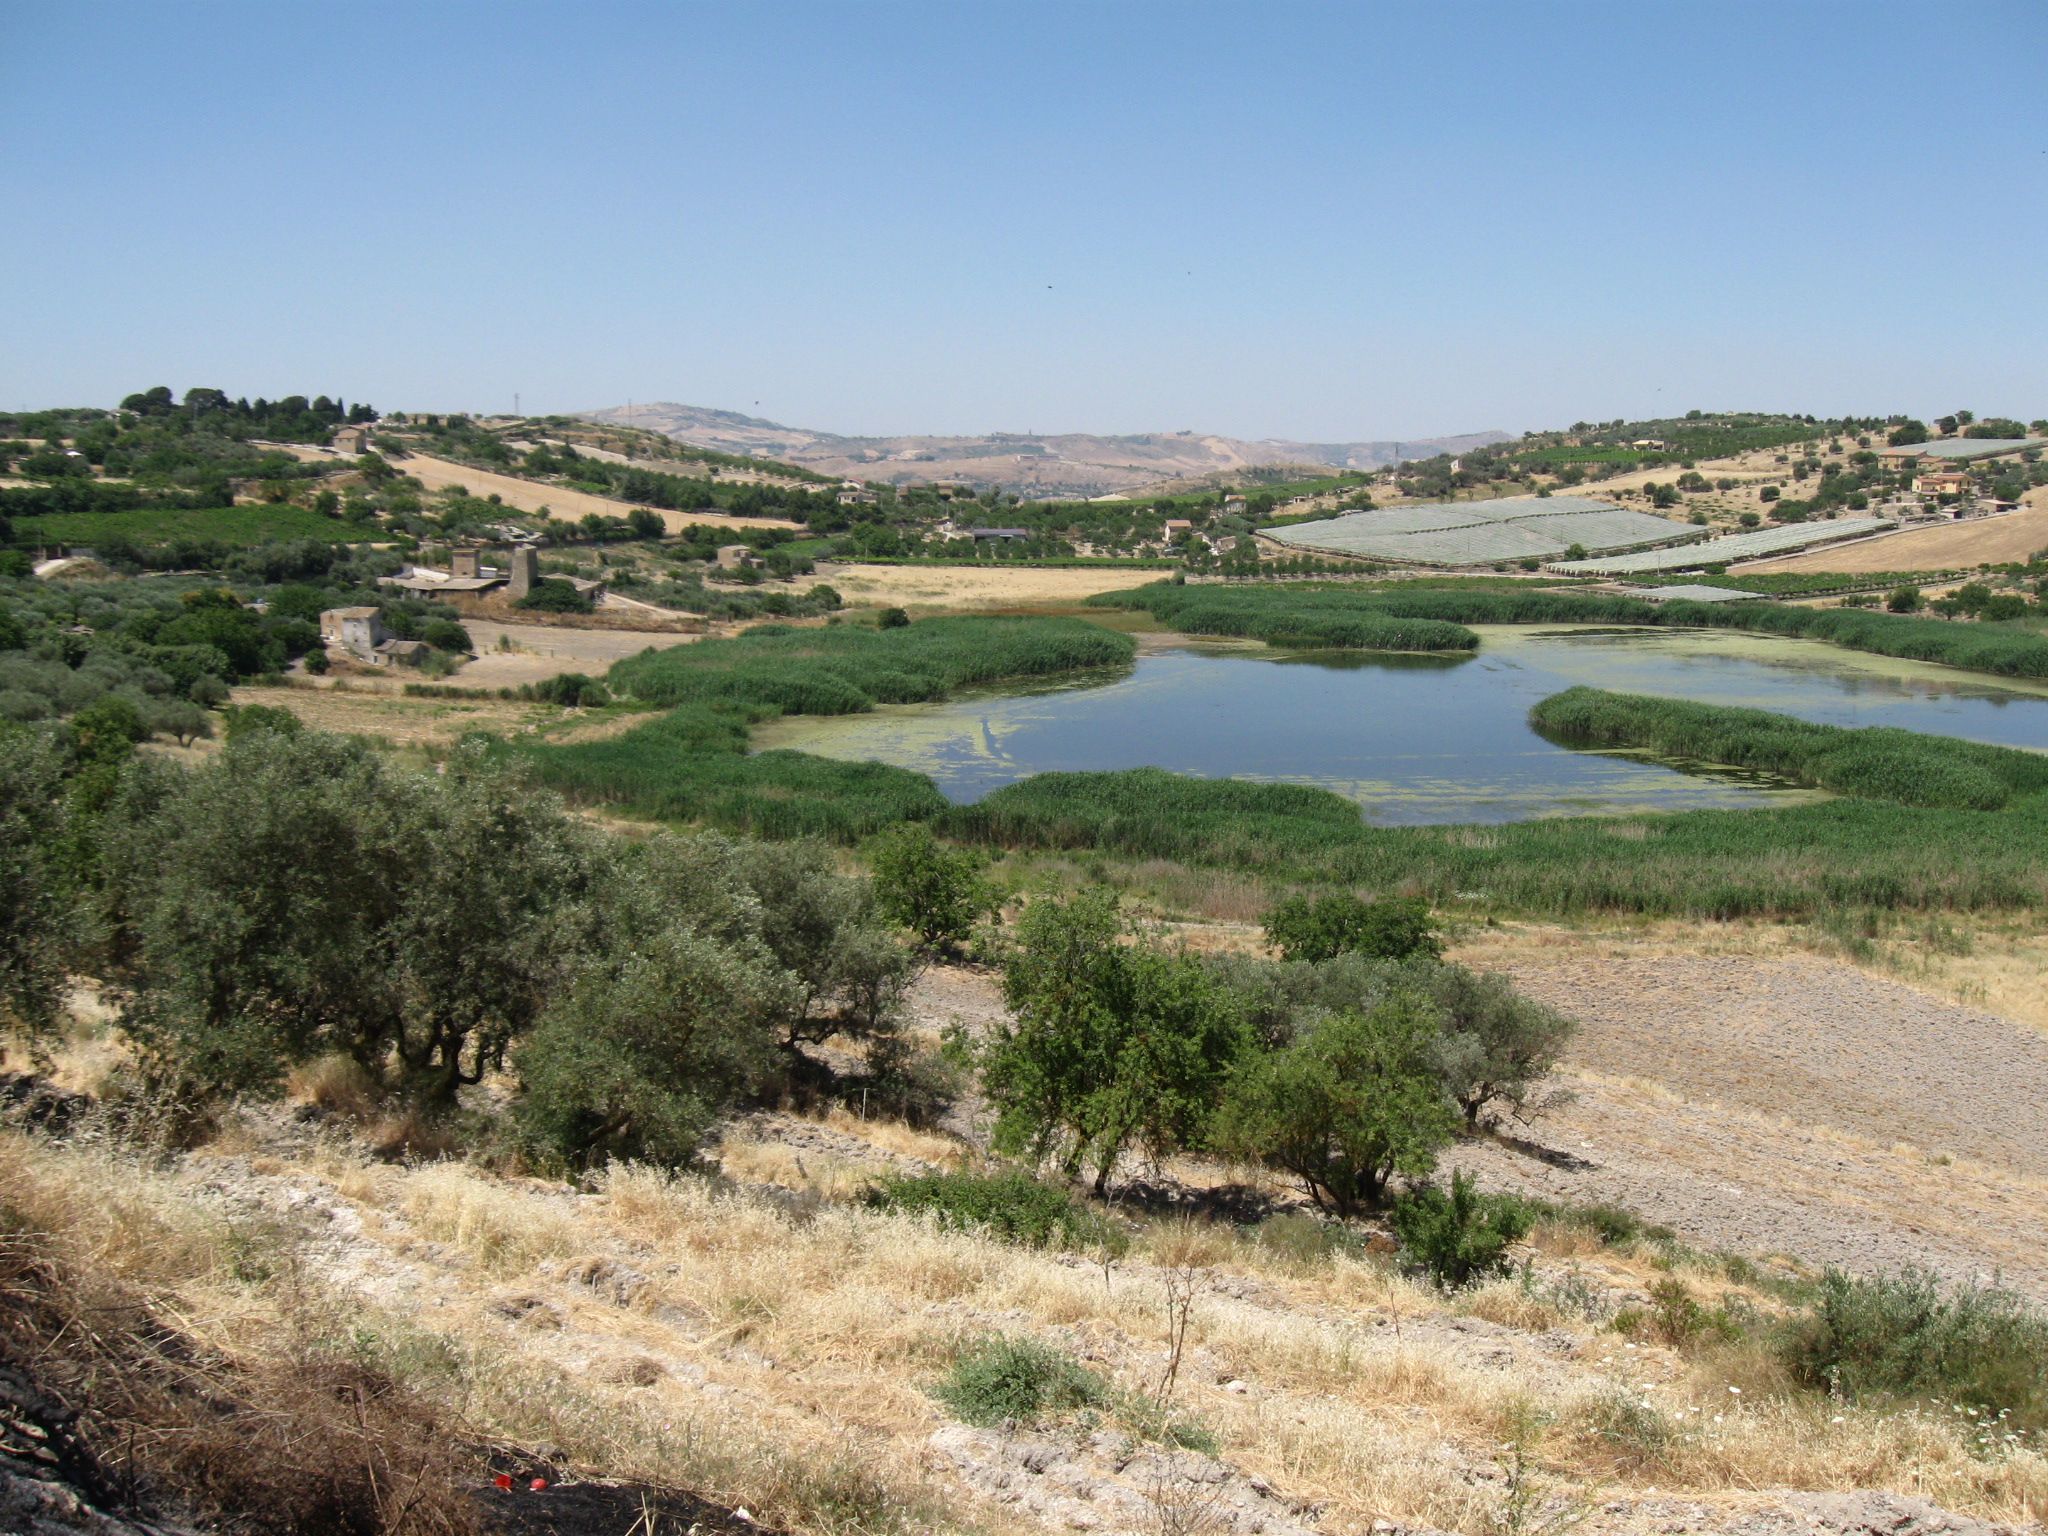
(1493, 1045)
(32, 905)
(646, 1046)
(298, 896)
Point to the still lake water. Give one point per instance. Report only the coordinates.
(1418, 739)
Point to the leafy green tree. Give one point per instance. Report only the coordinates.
(106, 730)
(1462, 1236)
(1348, 1105)
(646, 1047)
(247, 719)
(447, 635)
(1905, 600)
(1113, 1045)
(1575, 552)
(935, 891)
(892, 618)
(1323, 927)
(1907, 433)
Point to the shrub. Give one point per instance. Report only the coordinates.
(572, 690)
(1901, 1337)
(1017, 1381)
(1011, 1206)
(553, 595)
(1676, 1319)
(248, 719)
(1462, 1236)
(1324, 927)
(892, 618)
(1904, 600)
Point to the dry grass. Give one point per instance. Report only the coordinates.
(781, 1361)
(893, 1136)
(775, 1162)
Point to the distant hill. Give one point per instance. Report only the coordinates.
(1032, 464)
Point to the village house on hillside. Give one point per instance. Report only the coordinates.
(468, 576)
(361, 633)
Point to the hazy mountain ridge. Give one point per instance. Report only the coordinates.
(1041, 464)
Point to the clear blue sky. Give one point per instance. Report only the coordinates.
(1323, 221)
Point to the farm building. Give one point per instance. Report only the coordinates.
(359, 631)
(1482, 532)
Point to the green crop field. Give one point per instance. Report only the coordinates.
(228, 525)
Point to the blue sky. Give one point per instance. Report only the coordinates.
(1304, 220)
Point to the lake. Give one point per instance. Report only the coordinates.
(1418, 739)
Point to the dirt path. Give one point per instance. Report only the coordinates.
(543, 651)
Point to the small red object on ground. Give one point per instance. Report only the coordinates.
(503, 1480)
(538, 1485)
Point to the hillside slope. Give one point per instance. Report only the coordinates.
(1034, 464)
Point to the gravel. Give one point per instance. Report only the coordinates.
(1794, 1107)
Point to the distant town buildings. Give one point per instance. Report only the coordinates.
(352, 440)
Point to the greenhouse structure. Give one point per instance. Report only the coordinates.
(1484, 532)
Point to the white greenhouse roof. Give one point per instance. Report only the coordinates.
(1697, 595)
(1481, 532)
(1742, 546)
(1961, 450)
